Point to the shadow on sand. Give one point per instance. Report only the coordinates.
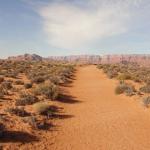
(58, 114)
(69, 80)
(64, 98)
(18, 136)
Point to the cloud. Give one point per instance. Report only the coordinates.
(76, 25)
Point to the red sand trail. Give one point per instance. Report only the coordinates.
(101, 120)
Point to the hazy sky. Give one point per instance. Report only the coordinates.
(65, 27)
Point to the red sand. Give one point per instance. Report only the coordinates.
(102, 120)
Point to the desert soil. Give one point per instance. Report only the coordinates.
(99, 119)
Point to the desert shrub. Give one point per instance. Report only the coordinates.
(106, 68)
(56, 79)
(10, 80)
(26, 99)
(119, 89)
(16, 89)
(124, 76)
(17, 111)
(100, 66)
(19, 82)
(49, 89)
(112, 74)
(136, 78)
(36, 124)
(41, 108)
(31, 120)
(127, 71)
(38, 79)
(148, 82)
(66, 72)
(146, 101)
(12, 74)
(2, 129)
(1, 79)
(28, 85)
(130, 91)
(145, 89)
(3, 91)
(125, 88)
(6, 85)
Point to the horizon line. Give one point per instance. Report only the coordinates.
(112, 54)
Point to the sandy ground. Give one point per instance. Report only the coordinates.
(99, 119)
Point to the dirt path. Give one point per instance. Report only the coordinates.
(102, 120)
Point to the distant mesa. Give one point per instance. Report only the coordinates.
(143, 59)
(26, 57)
(83, 59)
(87, 59)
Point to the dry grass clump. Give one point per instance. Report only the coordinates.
(110, 70)
(26, 99)
(123, 87)
(146, 101)
(56, 79)
(124, 76)
(120, 88)
(11, 74)
(112, 74)
(56, 73)
(35, 123)
(38, 79)
(100, 66)
(1, 79)
(50, 90)
(17, 111)
(127, 71)
(6, 85)
(3, 91)
(28, 85)
(42, 77)
(136, 78)
(41, 108)
(31, 120)
(145, 89)
(19, 82)
(2, 129)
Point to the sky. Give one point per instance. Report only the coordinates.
(73, 27)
